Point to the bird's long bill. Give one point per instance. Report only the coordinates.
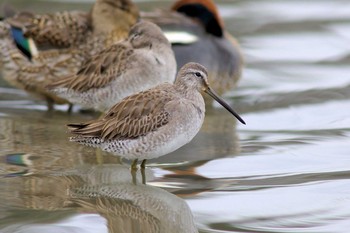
(223, 103)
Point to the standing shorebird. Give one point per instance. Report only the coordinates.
(155, 122)
(196, 26)
(36, 50)
(143, 61)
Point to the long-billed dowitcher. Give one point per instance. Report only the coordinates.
(143, 61)
(196, 26)
(36, 50)
(155, 122)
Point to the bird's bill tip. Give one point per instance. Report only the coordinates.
(210, 92)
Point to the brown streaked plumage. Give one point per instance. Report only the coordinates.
(143, 61)
(55, 45)
(196, 26)
(152, 123)
(99, 70)
(56, 30)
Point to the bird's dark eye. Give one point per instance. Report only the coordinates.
(198, 74)
(136, 35)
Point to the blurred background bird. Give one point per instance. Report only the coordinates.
(36, 50)
(197, 33)
(142, 61)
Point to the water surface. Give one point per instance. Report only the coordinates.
(287, 170)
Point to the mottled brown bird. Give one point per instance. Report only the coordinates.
(143, 61)
(155, 122)
(36, 50)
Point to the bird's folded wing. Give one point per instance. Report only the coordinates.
(98, 70)
(135, 116)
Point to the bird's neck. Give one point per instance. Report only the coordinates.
(189, 93)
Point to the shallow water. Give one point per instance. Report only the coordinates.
(287, 170)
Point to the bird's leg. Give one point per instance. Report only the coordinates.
(133, 175)
(70, 108)
(49, 103)
(134, 165)
(143, 164)
(143, 175)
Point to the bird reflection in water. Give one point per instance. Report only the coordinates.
(107, 190)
